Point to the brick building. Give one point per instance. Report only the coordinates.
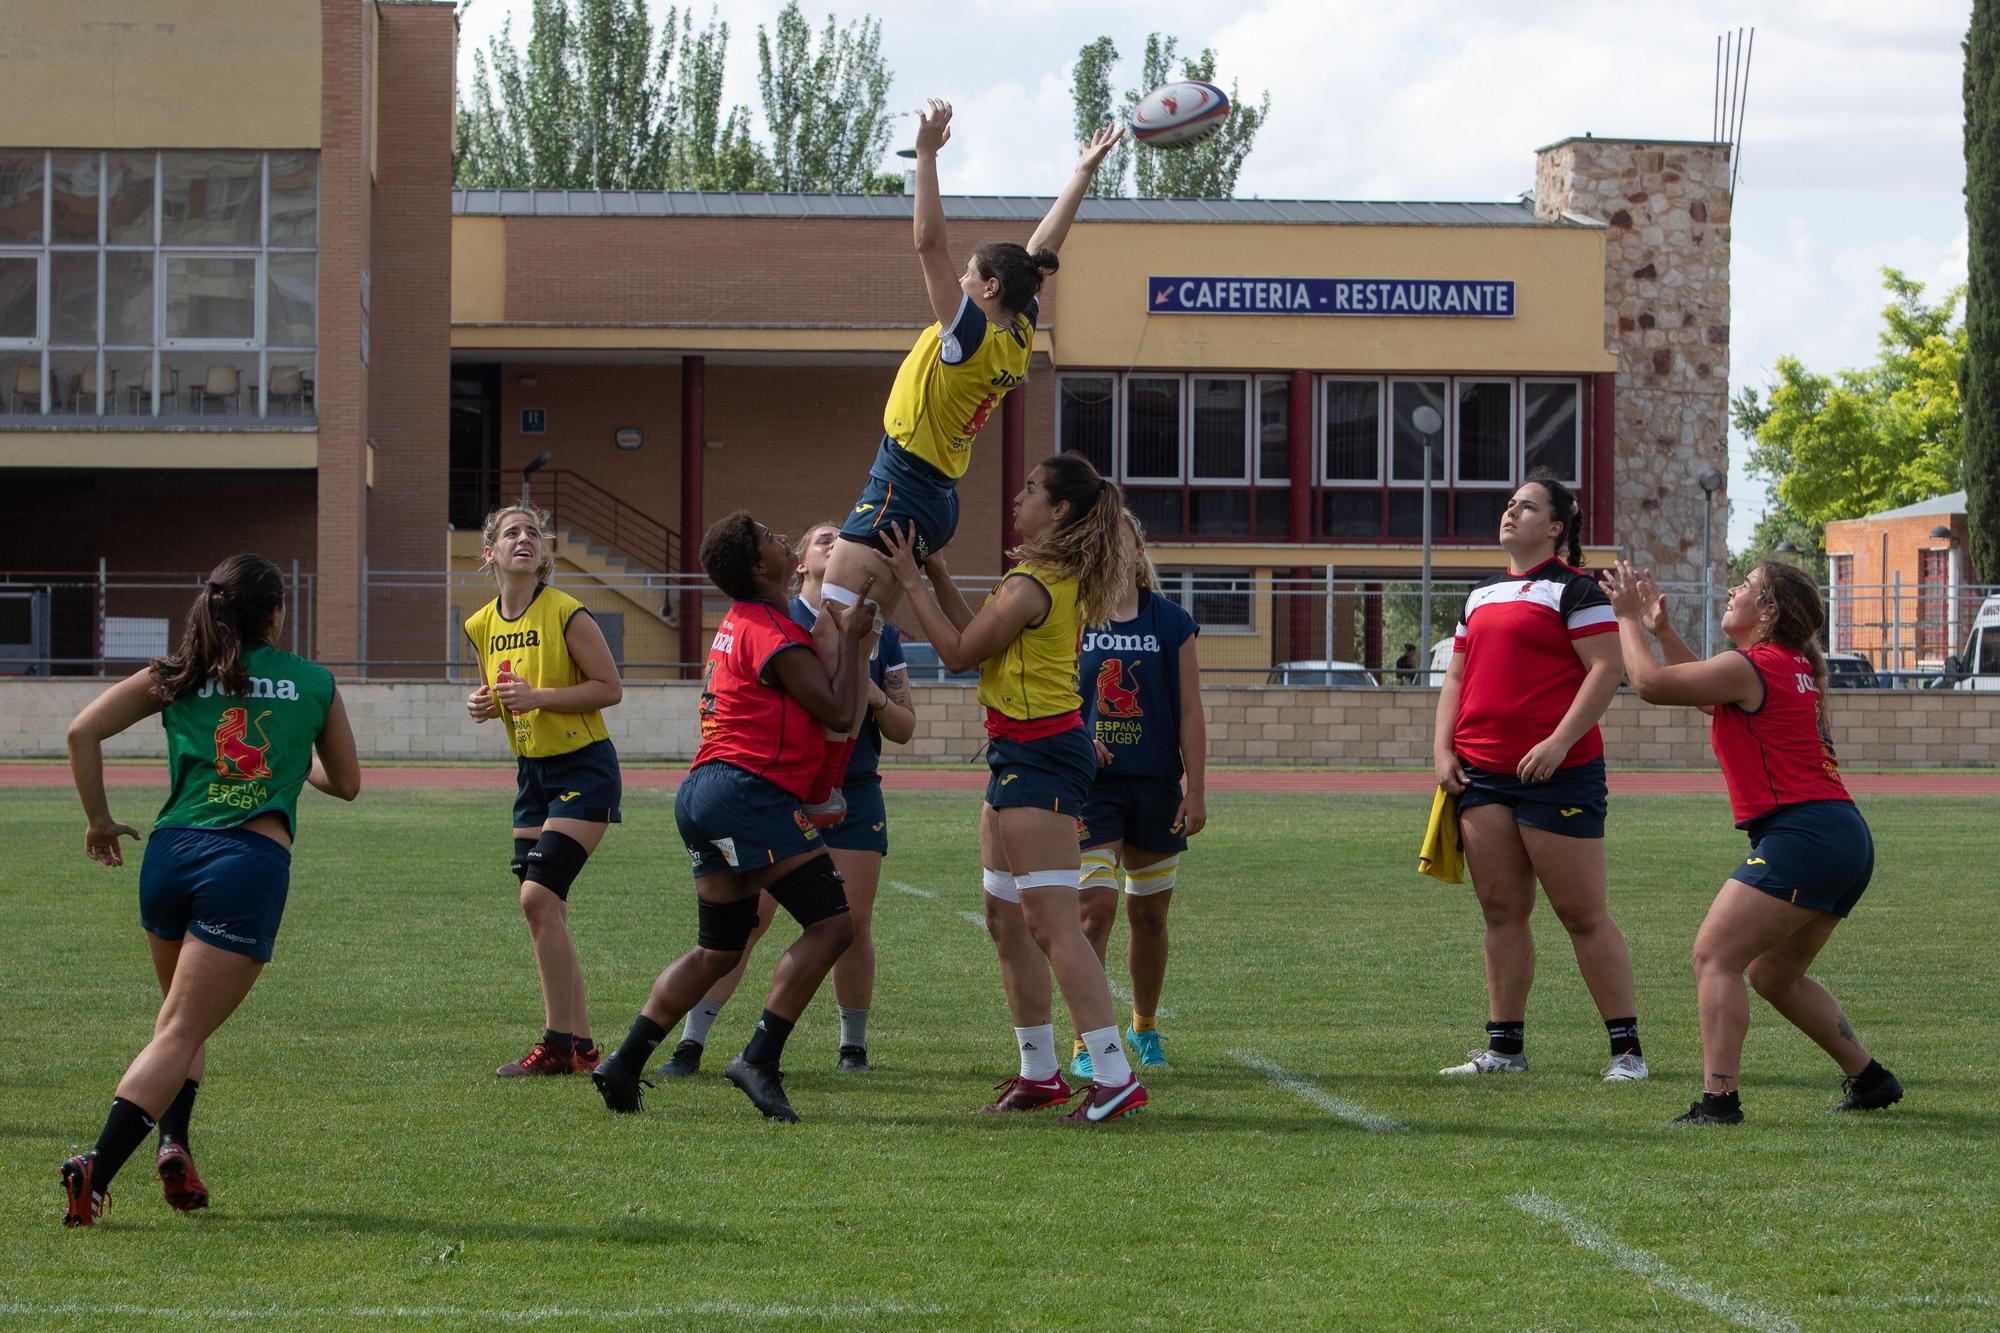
(1900, 588)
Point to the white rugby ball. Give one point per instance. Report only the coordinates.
(1175, 115)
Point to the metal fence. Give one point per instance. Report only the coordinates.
(1326, 631)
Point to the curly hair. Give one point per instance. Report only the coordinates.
(231, 614)
(1148, 573)
(544, 523)
(1088, 544)
(729, 555)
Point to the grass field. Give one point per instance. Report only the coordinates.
(1301, 1164)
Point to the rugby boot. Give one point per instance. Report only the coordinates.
(1022, 1094)
(1489, 1062)
(764, 1086)
(853, 1060)
(83, 1202)
(178, 1178)
(544, 1059)
(1098, 1104)
(685, 1062)
(1626, 1068)
(1148, 1044)
(1079, 1065)
(618, 1086)
(1870, 1090)
(1700, 1114)
(582, 1058)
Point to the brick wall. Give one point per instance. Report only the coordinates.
(1871, 617)
(1259, 727)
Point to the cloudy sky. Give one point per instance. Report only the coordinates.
(1851, 152)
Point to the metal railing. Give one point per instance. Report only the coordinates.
(576, 502)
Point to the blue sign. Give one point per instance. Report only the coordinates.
(534, 420)
(1422, 298)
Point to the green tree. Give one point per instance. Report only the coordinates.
(1777, 528)
(826, 105)
(1982, 310)
(1207, 170)
(711, 149)
(1090, 88)
(1860, 441)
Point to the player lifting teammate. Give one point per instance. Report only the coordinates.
(1811, 854)
(948, 388)
(1071, 572)
(548, 674)
(766, 698)
(247, 725)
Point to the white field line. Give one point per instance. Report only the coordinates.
(1305, 1089)
(911, 889)
(1123, 994)
(531, 1315)
(975, 918)
(1651, 1266)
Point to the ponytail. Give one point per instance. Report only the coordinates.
(1089, 545)
(231, 614)
(1563, 508)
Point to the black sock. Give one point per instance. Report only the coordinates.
(557, 1040)
(767, 1043)
(1506, 1038)
(124, 1129)
(1873, 1072)
(580, 1042)
(1719, 1101)
(1624, 1034)
(174, 1120)
(639, 1044)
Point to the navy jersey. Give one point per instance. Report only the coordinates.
(865, 763)
(1130, 671)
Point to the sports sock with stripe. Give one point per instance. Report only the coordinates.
(639, 1044)
(1624, 1034)
(767, 1043)
(699, 1020)
(1506, 1038)
(1108, 1065)
(1038, 1052)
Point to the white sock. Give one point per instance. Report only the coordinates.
(1108, 1064)
(699, 1019)
(1038, 1052)
(853, 1027)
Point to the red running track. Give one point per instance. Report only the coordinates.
(970, 778)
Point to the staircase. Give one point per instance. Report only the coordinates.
(611, 570)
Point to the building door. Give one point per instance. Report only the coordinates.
(475, 443)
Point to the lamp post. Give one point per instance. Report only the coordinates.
(1428, 423)
(540, 461)
(1711, 482)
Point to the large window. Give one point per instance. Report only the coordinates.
(1840, 602)
(1219, 599)
(148, 285)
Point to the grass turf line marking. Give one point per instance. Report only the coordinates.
(1123, 994)
(1305, 1089)
(911, 889)
(975, 918)
(531, 1315)
(1651, 1266)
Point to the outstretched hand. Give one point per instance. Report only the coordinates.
(1653, 604)
(899, 548)
(1100, 144)
(1621, 585)
(933, 126)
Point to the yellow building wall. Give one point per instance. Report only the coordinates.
(478, 272)
(161, 74)
(246, 450)
(1558, 276)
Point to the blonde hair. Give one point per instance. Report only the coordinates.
(1148, 572)
(799, 552)
(1088, 546)
(544, 523)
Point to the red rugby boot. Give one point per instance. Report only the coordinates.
(1021, 1094)
(1100, 1104)
(179, 1179)
(83, 1202)
(583, 1059)
(544, 1059)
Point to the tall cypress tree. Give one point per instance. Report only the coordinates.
(1981, 374)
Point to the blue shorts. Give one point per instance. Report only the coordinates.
(583, 784)
(225, 886)
(1573, 802)
(1818, 854)
(1054, 773)
(1137, 811)
(865, 826)
(904, 490)
(733, 820)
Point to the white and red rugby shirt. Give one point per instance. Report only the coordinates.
(1521, 671)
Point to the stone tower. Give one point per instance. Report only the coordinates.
(1666, 315)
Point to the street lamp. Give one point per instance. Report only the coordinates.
(1711, 482)
(540, 461)
(1428, 423)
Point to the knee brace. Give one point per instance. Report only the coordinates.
(812, 893)
(519, 865)
(1155, 878)
(554, 862)
(1100, 868)
(1050, 879)
(1000, 884)
(725, 927)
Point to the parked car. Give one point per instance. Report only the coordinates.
(1852, 671)
(1977, 665)
(926, 669)
(1339, 674)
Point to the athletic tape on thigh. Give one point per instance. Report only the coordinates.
(812, 893)
(1000, 884)
(1100, 869)
(1155, 878)
(1050, 879)
(555, 862)
(833, 592)
(725, 927)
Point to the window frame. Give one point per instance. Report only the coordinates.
(1455, 463)
(1575, 478)
(1326, 480)
(1258, 381)
(1177, 585)
(1248, 475)
(1124, 434)
(1448, 431)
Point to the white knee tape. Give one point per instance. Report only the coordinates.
(1155, 878)
(1100, 870)
(1049, 879)
(1000, 884)
(833, 592)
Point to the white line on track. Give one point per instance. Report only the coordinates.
(532, 1315)
(1123, 994)
(1651, 1266)
(910, 889)
(1301, 1087)
(974, 918)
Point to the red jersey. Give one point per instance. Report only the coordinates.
(1522, 672)
(747, 719)
(1778, 753)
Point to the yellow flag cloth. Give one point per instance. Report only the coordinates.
(1441, 857)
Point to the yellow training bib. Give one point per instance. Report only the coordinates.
(532, 647)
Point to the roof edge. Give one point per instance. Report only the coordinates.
(1637, 141)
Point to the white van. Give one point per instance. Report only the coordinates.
(1977, 666)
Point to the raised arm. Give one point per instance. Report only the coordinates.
(130, 701)
(956, 608)
(927, 215)
(1049, 235)
(1726, 678)
(827, 689)
(1020, 602)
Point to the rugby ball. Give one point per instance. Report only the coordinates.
(1175, 115)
